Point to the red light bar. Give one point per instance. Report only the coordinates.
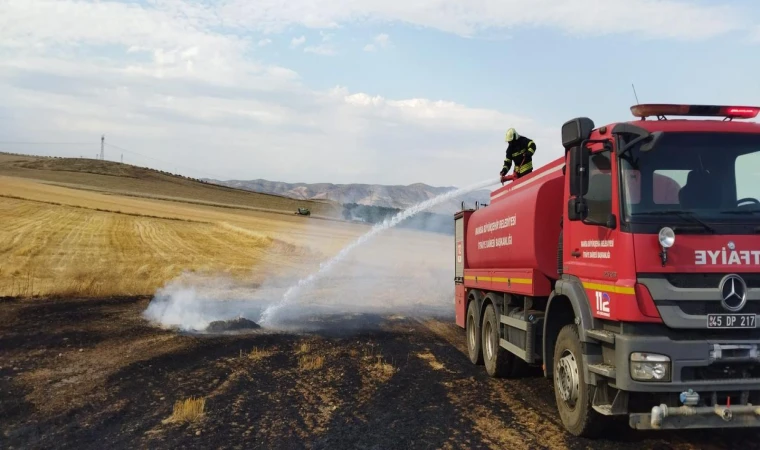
(744, 112)
(733, 112)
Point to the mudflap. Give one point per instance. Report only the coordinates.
(461, 305)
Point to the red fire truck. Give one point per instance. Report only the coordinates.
(628, 270)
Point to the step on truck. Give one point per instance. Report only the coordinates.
(628, 271)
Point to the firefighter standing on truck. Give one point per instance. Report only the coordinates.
(520, 150)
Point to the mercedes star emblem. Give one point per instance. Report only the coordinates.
(731, 245)
(733, 292)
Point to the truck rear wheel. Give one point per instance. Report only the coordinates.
(570, 388)
(472, 331)
(498, 361)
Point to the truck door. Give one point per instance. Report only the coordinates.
(589, 245)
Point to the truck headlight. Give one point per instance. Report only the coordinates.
(650, 367)
(667, 237)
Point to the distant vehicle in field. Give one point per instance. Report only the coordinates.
(303, 212)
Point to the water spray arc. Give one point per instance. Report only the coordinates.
(268, 317)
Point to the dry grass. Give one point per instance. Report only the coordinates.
(311, 362)
(259, 353)
(431, 359)
(188, 410)
(382, 370)
(376, 366)
(57, 250)
(98, 245)
(306, 361)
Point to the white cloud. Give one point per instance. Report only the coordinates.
(321, 49)
(643, 18)
(380, 41)
(176, 84)
(264, 42)
(325, 48)
(289, 133)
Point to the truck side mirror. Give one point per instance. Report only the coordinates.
(611, 222)
(575, 131)
(579, 168)
(577, 209)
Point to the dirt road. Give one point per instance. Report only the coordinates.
(94, 374)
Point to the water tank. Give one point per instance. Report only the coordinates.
(520, 228)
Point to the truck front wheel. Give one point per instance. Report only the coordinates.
(499, 362)
(472, 331)
(570, 388)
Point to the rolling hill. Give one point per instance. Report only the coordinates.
(126, 179)
(394, 196)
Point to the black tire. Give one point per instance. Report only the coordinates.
(571, 392)
(498, 361)
(472, 334)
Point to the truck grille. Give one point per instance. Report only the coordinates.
(715, 372)
(702, 308)
(708, 280)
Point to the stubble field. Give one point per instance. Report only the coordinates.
(81, 367)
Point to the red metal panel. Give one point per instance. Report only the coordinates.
(461, 304)
(520, 228)
(615, 301)
(517, 281)
(699, 253)
(537, 176)
(466, 215)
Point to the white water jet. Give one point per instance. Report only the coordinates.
(268, 316)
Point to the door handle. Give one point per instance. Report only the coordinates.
(576, 254)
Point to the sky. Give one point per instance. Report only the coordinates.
(353, 91)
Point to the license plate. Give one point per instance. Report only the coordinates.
(730, 321)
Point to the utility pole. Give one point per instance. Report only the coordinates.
(102, 146)
(122, 158)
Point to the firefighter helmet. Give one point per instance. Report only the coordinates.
(511, 135)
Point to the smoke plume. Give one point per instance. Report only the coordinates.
(384, 272)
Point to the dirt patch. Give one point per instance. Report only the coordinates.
(94, 374)
(238, 324)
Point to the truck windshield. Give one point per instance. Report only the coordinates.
(694, 177)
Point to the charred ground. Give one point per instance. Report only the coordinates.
(93, 374)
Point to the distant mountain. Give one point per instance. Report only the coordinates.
(397, 196)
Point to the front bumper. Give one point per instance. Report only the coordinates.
(687, 358)
(727, 398)
(669, 418)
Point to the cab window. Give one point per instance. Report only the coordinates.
(747, 168)
(599, 196)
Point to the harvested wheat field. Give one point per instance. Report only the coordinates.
(69, 242)
(100, 291)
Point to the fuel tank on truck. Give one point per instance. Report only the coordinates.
(520, 228)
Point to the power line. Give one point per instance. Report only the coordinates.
(164, 161)
(45, 143)
(103, 144)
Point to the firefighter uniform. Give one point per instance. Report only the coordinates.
(520, 150)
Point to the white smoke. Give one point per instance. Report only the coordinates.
(268, 318)
(408, 273)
